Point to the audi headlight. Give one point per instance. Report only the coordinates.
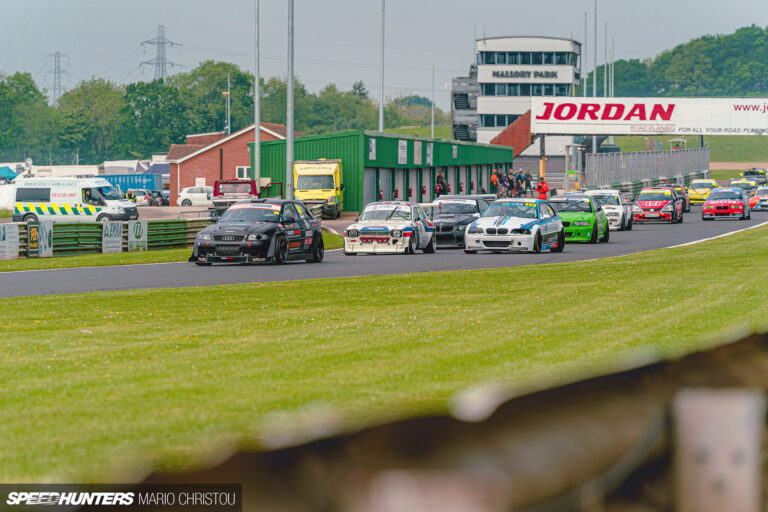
(668, 208)
(352, 233)
(462, 228)
(256, 236)
(397, 233)
(203, 237)
(475, 230)
(582, 223)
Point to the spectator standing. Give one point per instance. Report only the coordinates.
(441, 186)
(519, 182)
(503, 184)
(512, 187)
(542, 188)
(528, 180)
(494, 182)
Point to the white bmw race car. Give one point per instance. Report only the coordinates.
(617, 209)
(513, 225)
(390, 227)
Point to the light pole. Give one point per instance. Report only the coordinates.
(289, 110)
(433, 101)
(256, 171)
(594, 79)
(381, 72)
(584, 68)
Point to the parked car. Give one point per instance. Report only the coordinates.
(195, 196)
(158, 198)
(617, 208)
(140, 196)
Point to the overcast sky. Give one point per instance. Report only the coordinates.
(336, 40)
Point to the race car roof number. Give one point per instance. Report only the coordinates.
(375, 207)
(257, 206)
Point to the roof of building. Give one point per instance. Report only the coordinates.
(179, 151)
(276, 130)
(528, 37)
(159, 168)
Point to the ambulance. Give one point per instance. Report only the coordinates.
(70, 200)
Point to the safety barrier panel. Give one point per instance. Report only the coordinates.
(71, 239)
(605, 169)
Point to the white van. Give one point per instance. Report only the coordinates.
(70, 200)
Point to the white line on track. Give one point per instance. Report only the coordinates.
(718, 236)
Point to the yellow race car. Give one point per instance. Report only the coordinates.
(699, 190)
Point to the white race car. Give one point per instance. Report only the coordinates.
(390, 227)
(617, 209)
(512, 225)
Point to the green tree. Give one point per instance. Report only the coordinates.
(91, 119)
(24, 115)
(152, 119)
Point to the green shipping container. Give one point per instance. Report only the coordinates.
(372, 152)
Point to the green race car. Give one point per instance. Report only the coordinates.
(583, 218)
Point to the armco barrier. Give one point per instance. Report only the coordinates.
(70, 239)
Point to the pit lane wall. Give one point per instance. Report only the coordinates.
(71, 239)
(630, 172)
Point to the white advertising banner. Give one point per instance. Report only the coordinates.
(430, 157)
(45, 239)
(9, 241)
(137, 235)
(402, 152)
(649, 116)
(111, 237)
(371, 149)
(417, 152)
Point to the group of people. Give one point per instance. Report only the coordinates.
(512, 184)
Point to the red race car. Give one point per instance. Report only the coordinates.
(726, 202)
(658, 204)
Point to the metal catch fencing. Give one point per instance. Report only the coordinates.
(616, 169)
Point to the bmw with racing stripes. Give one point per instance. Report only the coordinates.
(390, 227)
(516, 225)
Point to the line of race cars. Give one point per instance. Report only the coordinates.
(278, 231)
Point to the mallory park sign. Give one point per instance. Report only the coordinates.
(524, 74)
(649, 116)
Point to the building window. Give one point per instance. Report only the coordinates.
(501, 89)
(562, 90)
(489, 57)
(525, 57)
(243, 172)
(513, 90)
(501, 58)
(536, 58)
(525, 89)
(562, 58)
(548, 90)
(548, 58)
(513, 58)
(489, 89)
(536, 90)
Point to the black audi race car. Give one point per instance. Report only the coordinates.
(452, 214)
(261, 230)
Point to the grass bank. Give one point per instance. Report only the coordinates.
(165, 376)
(725, 174)
(5, 214)
(126, 258)
(723, 148)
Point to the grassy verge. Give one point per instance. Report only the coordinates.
(106, 379)
(723, 148)
(5, 214)
(725, 174)
(126, 258)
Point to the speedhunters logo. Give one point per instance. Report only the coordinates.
(145, 497)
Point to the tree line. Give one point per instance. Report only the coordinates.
(100, 120)
(721, 65)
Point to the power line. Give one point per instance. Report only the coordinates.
(160, 62)
(57, 91)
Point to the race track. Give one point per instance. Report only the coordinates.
(642, 238)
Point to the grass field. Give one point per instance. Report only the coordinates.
(725, 174)
(126, 258)
(441, 132)
(723, 148)
(94, 384)
(5, 214)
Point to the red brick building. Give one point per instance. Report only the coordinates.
(215, 156)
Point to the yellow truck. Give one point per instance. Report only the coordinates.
(319, 182)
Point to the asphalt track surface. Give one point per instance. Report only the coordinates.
(643, 237)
